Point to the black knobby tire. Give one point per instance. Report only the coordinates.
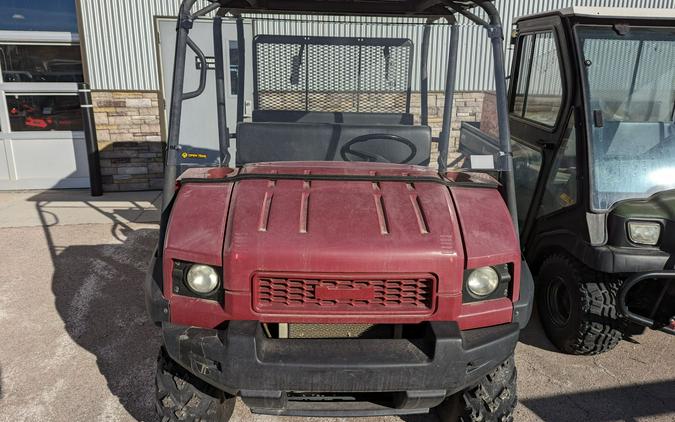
(183, 397)
(577, 307)
(493, 399)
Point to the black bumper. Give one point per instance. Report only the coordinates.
(666, 277)
(242, 360)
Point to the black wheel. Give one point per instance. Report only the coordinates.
(493, 400)
(183, 397)
(577, 307)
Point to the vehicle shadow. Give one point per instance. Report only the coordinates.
(626, 403)
(98, 293)
(534, 335)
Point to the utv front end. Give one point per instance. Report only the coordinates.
(331, 268)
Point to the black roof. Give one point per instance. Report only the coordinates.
(408, 8)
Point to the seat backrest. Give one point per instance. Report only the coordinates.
(292, 116)
(268, 142)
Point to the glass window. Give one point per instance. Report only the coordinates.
(631, 100)
(38, 15)
(539, 90)
(523, 74)
(561, 187)
(526, 167)
(40, 63)
(44, 112)
(234, 68)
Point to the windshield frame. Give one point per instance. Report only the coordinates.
(588, 112)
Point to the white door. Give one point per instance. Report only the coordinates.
(199, 120)
(41, 141)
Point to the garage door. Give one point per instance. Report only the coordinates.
(41, 141)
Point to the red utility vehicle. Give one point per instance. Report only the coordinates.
(334, 272)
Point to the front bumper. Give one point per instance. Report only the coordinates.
(241, 359)
(417, 374)
(666, 277)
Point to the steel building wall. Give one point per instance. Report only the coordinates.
(119, 40)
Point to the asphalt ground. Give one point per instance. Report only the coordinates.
(76, 344)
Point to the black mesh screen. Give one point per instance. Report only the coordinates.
(332, 74)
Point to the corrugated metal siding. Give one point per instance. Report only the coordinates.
(119, 39)
(119, 42)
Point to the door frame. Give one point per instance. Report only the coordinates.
(547, 139)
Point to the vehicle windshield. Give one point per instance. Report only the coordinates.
(336, 89)
(630, 94)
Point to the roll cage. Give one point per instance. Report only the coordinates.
(431, 10)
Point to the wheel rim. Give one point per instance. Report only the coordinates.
(559, 302)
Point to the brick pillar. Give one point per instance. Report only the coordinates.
(129, 139)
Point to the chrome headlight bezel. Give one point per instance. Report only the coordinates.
(643, 232)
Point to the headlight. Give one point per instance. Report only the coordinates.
(202, 279)
(644, 233)
(482, 282)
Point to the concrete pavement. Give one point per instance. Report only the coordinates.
(76, 344)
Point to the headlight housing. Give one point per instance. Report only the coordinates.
(202, 279)
(486, 283)
(482, 282)
(644, 232)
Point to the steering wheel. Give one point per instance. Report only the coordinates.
(371, 157)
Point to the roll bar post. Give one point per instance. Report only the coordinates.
(424, 74)
(185, 22)
(223, 130)
(446, 129)
(496, 34)
(183, 41)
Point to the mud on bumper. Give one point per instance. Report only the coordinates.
(419, 372)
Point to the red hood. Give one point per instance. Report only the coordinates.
(323, 226)
(392, 230)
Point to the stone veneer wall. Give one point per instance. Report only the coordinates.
(467, 107)
(129, 140)
(130, 134)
